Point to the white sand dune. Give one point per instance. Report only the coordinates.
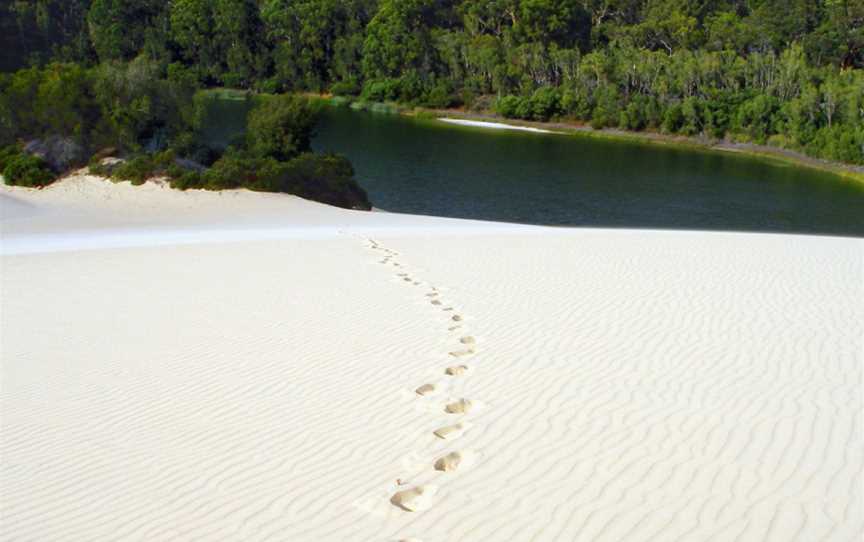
(226, 366)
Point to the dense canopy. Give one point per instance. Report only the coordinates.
(784, 72)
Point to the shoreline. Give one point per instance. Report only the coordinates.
(786, 156)
(561, 127)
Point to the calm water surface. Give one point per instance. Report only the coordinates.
(433, 168)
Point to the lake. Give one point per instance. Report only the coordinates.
(425, 166)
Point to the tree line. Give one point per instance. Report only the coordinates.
(782, 72)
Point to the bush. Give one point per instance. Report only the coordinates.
(327, 178)
(634, 116)
(524, 110)
(440, 96)
(345, 88)
(22, 169)
(756, 117)
(839, 143)
(188, 145)
(691, 112)
(673, 118)
(236, 169)
(381, 90)
(508, 106)
(544, 104)
(576, 103)
(605, 113)
(189, 179)
(145, 166)
(7, 154)
(281, 127)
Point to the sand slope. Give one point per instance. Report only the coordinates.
(620, 385)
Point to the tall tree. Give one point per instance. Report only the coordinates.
(221, 38)
(119, 28)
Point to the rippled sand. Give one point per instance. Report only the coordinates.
(245, 366)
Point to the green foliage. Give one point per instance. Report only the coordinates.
(783, 71)
(381, 90)
(7, 153)
(545, 103)
(63, 103)
(606, 109)
(21, 169)
(145, 166)
(282, 127)
(317, 42)
(38, 31)
(398, 38)
(139, 106)
(673, 119)
(508, 106)
(120, 29)
(326, 178)
(756, 118)
(345, 88)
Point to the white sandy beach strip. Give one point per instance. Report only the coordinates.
(621, 385)
(496, 125)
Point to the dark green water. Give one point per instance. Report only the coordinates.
(428, 167)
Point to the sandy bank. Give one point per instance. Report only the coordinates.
(490, 119)
(495, 125)
(617, 384)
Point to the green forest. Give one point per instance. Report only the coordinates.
(128, 73)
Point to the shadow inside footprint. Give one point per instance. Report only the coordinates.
(462, 353)
(414, 499)
(425, 389)
(462, 406)
(449, 432)
(456, 370)
(454, 460)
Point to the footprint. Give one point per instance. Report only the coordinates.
(435, 302)
(467, 340)
(456, 318)
(401, 274)
(456, 370)
(462, 406)
(462, 353)
(453, 328)
(447, 309)
(425, 389)
(451, 431)
(454, 460)
(407, 279)
(415, 499)
(432, 294)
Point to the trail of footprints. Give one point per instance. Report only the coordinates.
(420, 497)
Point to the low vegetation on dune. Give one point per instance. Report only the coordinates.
(131, 123)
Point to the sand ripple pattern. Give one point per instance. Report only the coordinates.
(640, 386)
